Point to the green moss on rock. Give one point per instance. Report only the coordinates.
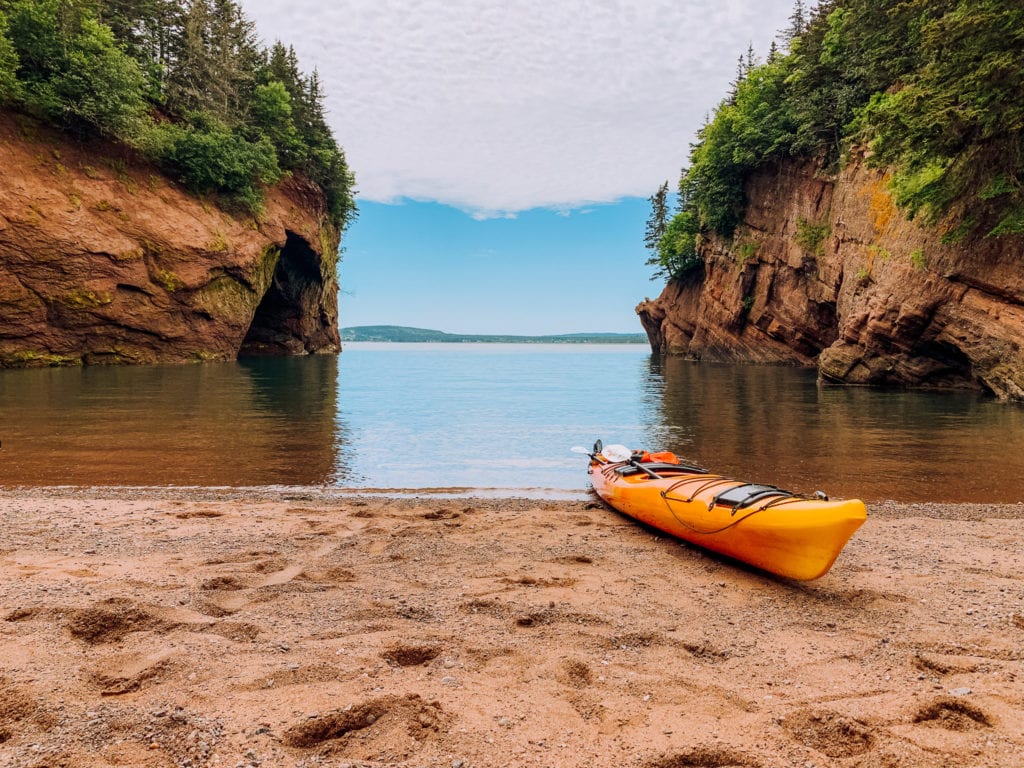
(30, 358)
(225, 298)
(169, 281)
(83, 299)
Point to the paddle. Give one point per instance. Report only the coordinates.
(595, 456)
(623, 454)
(616, 454)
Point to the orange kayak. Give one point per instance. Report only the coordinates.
(798, 537)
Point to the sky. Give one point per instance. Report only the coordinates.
(504, 149)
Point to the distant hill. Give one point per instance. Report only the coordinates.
(404, 334)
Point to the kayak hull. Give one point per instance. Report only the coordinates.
(795, 537)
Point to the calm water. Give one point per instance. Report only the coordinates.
(394, 416)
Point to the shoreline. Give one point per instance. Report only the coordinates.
(888, 508)
(245, 627)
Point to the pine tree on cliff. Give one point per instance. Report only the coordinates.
(213, 60)
(658, 220)
(797, 23)
(147, 29)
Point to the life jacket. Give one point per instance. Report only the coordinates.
(662, 457)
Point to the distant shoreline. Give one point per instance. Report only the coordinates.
(403, 334)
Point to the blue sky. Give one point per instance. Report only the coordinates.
(483, 109)
(430, 265)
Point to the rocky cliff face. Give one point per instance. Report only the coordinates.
(826, 271)
(104, 261)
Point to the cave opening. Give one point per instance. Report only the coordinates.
(946, 366)
(288, 317)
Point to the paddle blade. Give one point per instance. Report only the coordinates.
(617, 453)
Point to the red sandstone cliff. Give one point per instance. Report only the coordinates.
(826, 271)
(102, 260)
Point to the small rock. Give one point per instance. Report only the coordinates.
(960, 692)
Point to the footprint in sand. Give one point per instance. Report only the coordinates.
(17, 707)
(227, 594)
(411, 655)
(953, 715)
(830, 733)
(126, 673)
(111, 620)
(704, 757)
(380, 718)
(575, 673)
(442, 514)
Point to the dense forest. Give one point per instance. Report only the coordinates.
(185, 83)
(932, 90)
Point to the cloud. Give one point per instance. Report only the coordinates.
(497, 106)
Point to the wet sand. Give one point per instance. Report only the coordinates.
(204, 628)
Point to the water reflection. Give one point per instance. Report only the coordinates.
(496, 416)
(257, 422)
(777, 425)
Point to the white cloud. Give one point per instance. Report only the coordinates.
(504, 105)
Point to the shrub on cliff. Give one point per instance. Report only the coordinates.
(184, 82)
(955, 131)
(678, 252)
(71, 71)
(9, 86)
(934, 87)
(207, 156)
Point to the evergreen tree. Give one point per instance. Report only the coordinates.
(797, 23)
(192, 84)
(658, 219)
(146, 28)
(234, 56)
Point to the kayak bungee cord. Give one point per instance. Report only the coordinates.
(690, 527)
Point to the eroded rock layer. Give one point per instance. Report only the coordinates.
(102, 260)
(826, 271)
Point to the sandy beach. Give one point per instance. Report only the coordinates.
(235, 628)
